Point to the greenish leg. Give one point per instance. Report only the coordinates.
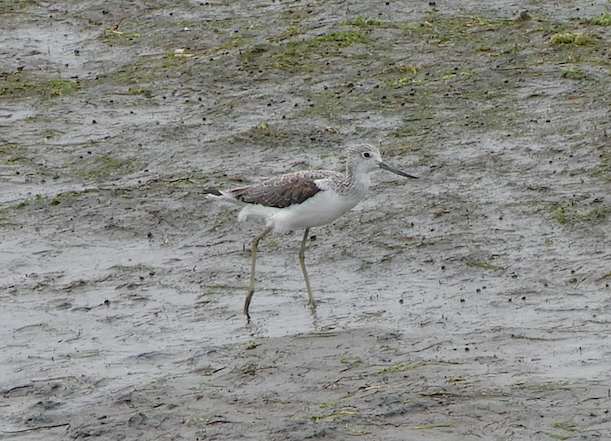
(253, 263)
(312, 302)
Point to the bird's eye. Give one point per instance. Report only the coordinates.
(366, 155)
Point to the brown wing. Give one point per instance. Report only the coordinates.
(280, 192)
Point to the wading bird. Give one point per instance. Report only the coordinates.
(305, 199)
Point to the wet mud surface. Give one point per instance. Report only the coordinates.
(471, 304)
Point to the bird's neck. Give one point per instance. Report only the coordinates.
(359, 181)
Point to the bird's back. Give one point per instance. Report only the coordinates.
(286, 190)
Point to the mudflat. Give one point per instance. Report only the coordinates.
(471, 304)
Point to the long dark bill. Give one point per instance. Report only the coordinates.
(395, 171)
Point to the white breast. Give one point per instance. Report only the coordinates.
(321, 209)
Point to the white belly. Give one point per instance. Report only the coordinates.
(321, 209)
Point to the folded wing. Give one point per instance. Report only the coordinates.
(282, 191)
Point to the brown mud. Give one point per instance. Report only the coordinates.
(471, 304)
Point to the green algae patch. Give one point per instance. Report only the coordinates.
(16, 86)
